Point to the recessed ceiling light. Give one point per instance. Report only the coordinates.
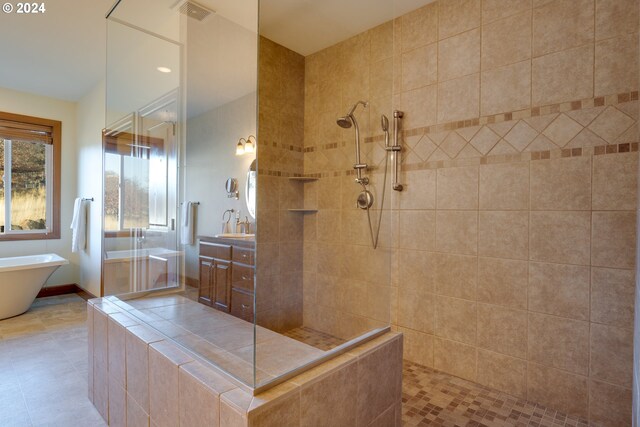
(164, 69)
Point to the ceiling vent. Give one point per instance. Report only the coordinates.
(193, 9)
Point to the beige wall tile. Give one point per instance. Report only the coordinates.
(559, 342)
(458, 188)
(502, 330)
(562, 24)
(164, 362)
(616, 17)
(615, 182)
(562, 237)
(613, 125)
(497, 9)
(416, 310)
(506, 89)
(504, 186)
(456, 275)
(138, 366)
(502, 282)
(379, 381)
(381, 41)
(420, 27)
(420, 67)
(417, 230)
(419, 106)
(613, 239)
(609, 405)
(506, 41)
(503, 234)
(502, 373)
(561, 184)
(459, 99)
(333, 395)
(457, 16)
(418, 347)
(612, 296)
(117, 404)
(455, 358)
(562, 76)
(116, 349)
(416, 270)
(456, 319)
(136, 416)
(612, 354)
(419, 190)
(559, 289)
(459, 55)
(558, 389)
(279, 412)
(616, 65)
(457, 232)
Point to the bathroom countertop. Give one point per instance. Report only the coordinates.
(247, 242)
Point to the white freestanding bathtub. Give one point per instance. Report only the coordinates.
(21, 278)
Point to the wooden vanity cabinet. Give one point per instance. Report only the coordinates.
(227, 276)
(215, 275)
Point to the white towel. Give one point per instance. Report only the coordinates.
(79, 226)
(188, 226)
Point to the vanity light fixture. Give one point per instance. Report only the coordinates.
(164, 69)
(246, 145)
(249, 147)
(240, 148)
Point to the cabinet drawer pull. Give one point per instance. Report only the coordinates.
(244, 255)
(244, 306)
(244, 277)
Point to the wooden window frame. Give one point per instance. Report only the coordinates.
(55, 127)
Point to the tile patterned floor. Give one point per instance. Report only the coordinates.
(43, 371)
(43, 366)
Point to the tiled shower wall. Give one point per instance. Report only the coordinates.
(513, 243)
(280, 233)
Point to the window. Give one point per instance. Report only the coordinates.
(30, 172)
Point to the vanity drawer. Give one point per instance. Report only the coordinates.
(242, 305)
(215, 250)
(242, 277)
(243, 255)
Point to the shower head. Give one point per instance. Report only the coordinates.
(347, 121)
(344, 122)
(384, 122)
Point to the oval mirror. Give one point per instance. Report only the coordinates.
(250, 193)
(231, 185)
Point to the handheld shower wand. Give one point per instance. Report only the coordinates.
(346, 122)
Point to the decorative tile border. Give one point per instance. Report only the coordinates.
(504, 158)
(563, 107)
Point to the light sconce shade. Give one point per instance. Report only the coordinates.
(240, 150)
(249, 147)
(246, 146)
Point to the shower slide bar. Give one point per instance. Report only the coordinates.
(395, 149)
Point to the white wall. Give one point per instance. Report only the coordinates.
(91, 119)
(211, 140)
(49, 108)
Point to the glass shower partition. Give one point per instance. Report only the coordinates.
(230, 220)
(181, 95)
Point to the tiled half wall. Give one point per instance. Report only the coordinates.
(513, 244)
(139, 377)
